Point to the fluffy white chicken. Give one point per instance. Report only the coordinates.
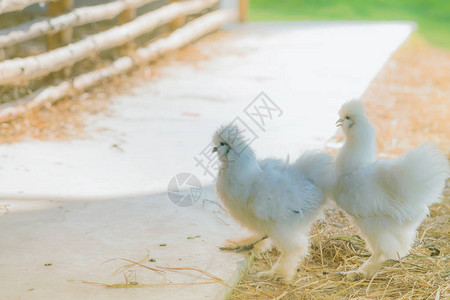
(272, 198)
(386, 199)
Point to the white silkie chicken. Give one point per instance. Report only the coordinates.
(386, 199)
(272, 198)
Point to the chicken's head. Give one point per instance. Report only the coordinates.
(228, 142)
(350, 114)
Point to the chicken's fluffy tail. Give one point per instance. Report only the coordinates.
(319, 168)
(423, 172)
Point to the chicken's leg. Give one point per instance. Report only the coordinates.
(244, 243)
(292, 251)
(261, 247)
(368, 269)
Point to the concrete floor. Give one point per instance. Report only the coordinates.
(77, 204)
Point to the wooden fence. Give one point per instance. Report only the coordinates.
(31, 79)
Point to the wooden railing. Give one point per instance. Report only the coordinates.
(33, 80)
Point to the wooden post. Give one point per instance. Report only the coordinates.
(63, 37)
(178, 22)
(243, 10)
(125, 17)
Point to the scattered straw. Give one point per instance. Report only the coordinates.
(4, 209)
(242, 248)
(133, 283)
(125, 267)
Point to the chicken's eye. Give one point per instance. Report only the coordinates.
(347, 117)
(222, 144)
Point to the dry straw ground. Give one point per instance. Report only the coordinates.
(409, 103)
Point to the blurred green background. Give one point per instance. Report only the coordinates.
(432, 16)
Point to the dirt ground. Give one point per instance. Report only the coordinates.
(67, 118)
(409, 103)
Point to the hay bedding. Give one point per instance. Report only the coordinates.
(336, 247)
(409, 103)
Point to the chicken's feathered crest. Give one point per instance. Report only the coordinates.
(232, 136)
(352, 108)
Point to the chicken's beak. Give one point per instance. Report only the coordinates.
(214, 150)
(339, 123)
